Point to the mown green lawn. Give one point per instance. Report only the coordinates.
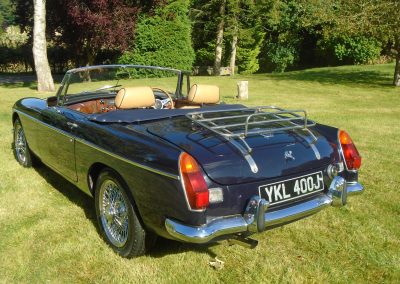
(48, 230)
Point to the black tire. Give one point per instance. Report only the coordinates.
(20, 146)
(118, 221)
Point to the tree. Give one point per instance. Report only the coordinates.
(163, 38)
(42, 68)
(226, 32)
(91, 26)
(7, 17)
(234, 7)
(219, 38)
(370, 18)
(88, 26)
(245, 23)
(281, 21)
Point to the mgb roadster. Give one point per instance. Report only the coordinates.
(162, 157)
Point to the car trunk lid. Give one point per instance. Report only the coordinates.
(275, 154)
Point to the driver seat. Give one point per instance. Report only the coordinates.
(134, 97)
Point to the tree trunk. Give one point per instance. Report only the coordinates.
(232, 62)
(220, 38)
(43, 73)
(396, 79)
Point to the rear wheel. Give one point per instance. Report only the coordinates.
(116, 216)
(21, 149)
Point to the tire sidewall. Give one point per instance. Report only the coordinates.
(28, 160)
(135, 232)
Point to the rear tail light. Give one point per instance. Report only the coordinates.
(194, 184)
(350, 153)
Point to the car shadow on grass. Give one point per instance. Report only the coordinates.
(69, 190)
(163, 247)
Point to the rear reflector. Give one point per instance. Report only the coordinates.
(216, 195)
(194, 184)
(350, 153)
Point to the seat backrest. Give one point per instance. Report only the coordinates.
(134, 97)
(203, 94)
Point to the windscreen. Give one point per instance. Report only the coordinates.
(109, 79)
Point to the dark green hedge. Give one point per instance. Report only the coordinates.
(163, 39)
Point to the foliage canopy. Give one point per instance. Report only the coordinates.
(163, 39)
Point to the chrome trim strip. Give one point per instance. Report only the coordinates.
(45, 124)
(237, 224)
(77, 139)
(311, 143)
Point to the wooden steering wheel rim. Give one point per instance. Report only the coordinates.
(166, 93)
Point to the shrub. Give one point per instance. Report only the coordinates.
(13, 37)
(163, 39)
(280, 57)
(355, 50)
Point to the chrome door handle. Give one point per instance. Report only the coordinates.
(72, 125)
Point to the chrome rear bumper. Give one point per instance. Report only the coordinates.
(257, 218)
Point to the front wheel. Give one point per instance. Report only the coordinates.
(116, 216)
(21, 149)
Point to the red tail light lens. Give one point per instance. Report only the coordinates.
(351, 155)
(193, 180)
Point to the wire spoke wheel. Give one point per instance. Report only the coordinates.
(114, 213)
(20, 144)
(21, 149)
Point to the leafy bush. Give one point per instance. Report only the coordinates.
(355, 50)
(13, 37)
(280, 57)
(163, 39)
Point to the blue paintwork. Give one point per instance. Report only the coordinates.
(72, 152)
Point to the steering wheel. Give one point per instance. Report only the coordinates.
(160, 104)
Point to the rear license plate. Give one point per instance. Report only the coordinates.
(290, 189)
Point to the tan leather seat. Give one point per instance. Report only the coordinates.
(134, 97)
(203, 94)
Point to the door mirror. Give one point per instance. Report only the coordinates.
(51, 101)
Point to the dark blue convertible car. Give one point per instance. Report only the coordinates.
(163, 157)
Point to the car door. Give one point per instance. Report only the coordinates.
(58, 140)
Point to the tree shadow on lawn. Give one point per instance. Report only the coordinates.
(341, 76)
(30, 85)
(23, 81)
(163, 246)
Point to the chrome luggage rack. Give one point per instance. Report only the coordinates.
(263, 120)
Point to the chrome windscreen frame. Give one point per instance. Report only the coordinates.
(62, 90)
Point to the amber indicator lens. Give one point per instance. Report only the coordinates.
(194, 183)
(350, 152)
